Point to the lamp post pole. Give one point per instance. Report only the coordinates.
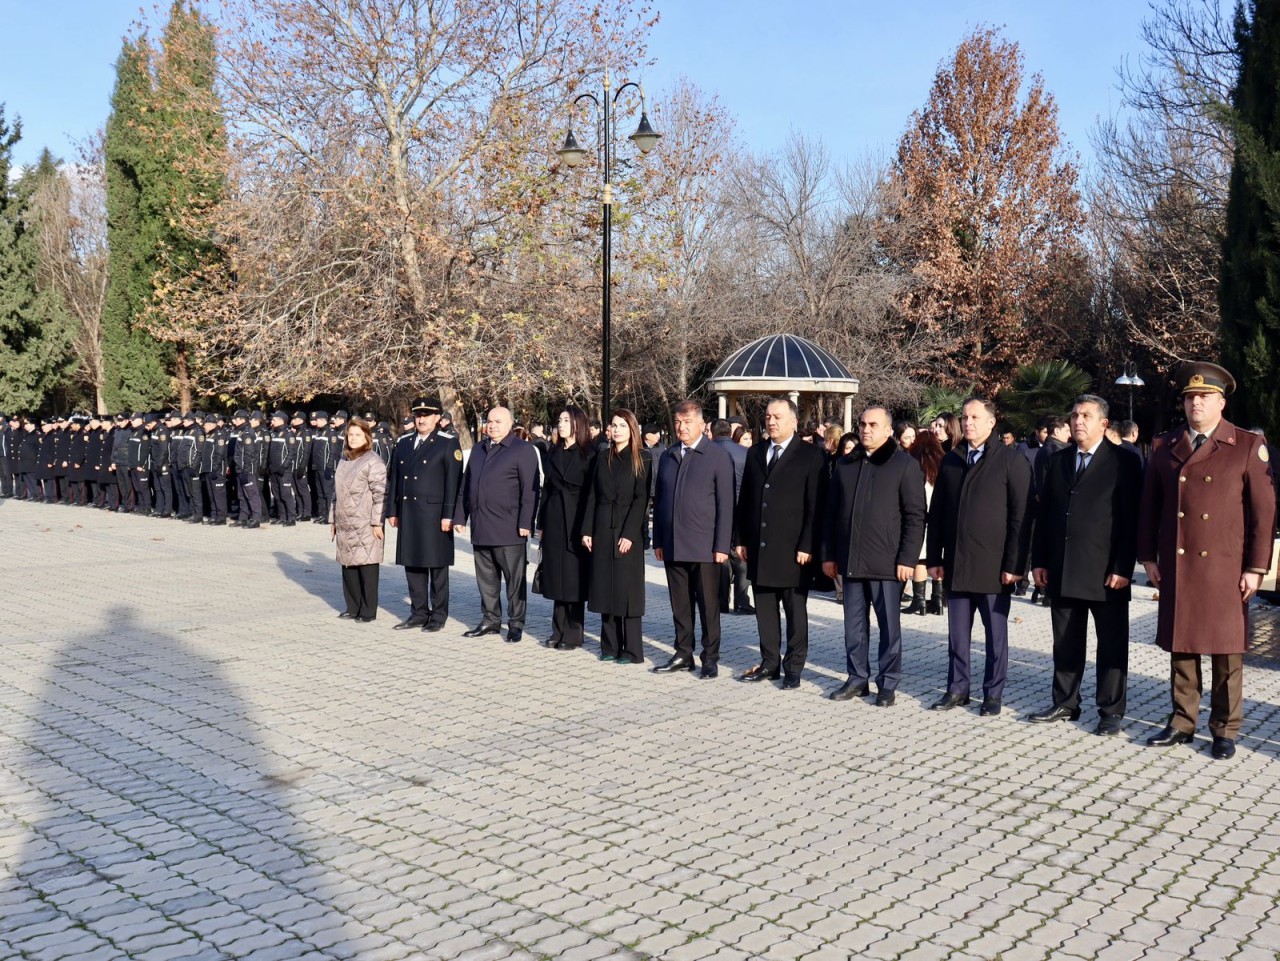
(644, 138)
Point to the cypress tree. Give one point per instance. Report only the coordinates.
(35, 328)
(1249, 294)
(135, 362)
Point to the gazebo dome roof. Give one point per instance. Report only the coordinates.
(784, 359)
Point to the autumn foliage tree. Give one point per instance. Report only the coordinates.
(993, 215)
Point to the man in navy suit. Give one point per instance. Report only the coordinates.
(692, 529)
(1086, 543)
(422, 490)
(500, 496)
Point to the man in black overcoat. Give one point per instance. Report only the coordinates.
(1084, 549)
(777, 520)
(500, 496)
(978, 543)
(692, 531)
(874, 529)
(422, 493)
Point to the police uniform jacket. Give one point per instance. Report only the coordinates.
(1087, 525)
(28, 450)
(140, 449)
(1206, 518)
(876, 513)
(499, 492)
(120, 446)
(779, 512)
(422, 489)
(212, 453)
(244, 450)
(978, 526)
(77, 455)
(278, 456)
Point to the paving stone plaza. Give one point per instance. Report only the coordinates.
(199, 760)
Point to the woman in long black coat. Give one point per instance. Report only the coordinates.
(567, 469)
(613, 530)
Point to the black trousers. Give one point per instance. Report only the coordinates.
(141, 491)
(215, 488)
(734, 571)
(428, 594)
(567, 619)
(621, 637)
(695, 586)
(282, 494)
(249, 498)
(1070, 618)
(6, 477)
(360, 589)
(301, 497)
(492, 565)
(124, 488)
(794, 603)
(162, 490)
(323, 481)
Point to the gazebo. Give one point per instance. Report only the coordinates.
(782, 364)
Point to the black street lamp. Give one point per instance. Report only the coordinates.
(1129, 378)
(645, 138)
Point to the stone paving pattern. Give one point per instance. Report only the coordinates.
(199, 760)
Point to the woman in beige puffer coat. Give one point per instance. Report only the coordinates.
(356, 521)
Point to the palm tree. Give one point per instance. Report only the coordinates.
(935, 400)
(1048, 387)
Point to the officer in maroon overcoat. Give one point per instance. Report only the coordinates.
(1204, 537)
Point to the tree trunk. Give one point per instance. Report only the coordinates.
(182, 373)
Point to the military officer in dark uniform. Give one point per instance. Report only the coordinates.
(301, 465)
(120, 464)
(1204, 538)
(245, 463)
(140, 464)
(322, 466)
(422, 491)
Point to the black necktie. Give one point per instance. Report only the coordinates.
(973, 456)
(1084, 462)
(773, 458)
(1197, 441)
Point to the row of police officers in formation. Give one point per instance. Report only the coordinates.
(203, 468)
(1198, 516)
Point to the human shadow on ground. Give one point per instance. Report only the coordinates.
(151, 815)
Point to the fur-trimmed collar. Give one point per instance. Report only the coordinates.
(882, 454)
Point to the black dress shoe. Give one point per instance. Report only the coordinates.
(1108, 724)
(1055, 713)
(482, 630)
(1170, 736)
(949, 700)
(848, 691)
(346, 614)
(758, 673)
(791, 682)
(1224, 748)
(885, 699)
(546, 642)
(431, 627)
(990, 707)
(364, 620)
(514, 635)
(673, 665)
(406, 624)
(744, 609)
(709, 671)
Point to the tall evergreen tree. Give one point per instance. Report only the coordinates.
(1249, 295)
(135, 362)
(35, 328)
(188, 141)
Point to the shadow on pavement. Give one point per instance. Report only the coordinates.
(151, 817)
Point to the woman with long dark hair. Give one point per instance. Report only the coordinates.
(359, 487)
(564, 567)
(927, 450)
(946, 427)
(613, 531)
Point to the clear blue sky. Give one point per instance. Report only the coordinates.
(850, 72)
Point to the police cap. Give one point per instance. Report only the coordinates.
(427, 405)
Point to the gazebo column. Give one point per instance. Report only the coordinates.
(722, 405)
(848, 412)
